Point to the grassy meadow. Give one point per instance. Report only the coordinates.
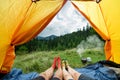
(40, 61)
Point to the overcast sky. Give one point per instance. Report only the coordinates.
(66, 21)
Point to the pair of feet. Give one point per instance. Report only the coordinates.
(49, 73)
(56, 63)
(60, 73)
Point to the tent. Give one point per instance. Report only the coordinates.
(22, 20)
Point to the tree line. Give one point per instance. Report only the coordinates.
(63, 42)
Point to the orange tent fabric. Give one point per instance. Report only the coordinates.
(104, 17)
(21, 20)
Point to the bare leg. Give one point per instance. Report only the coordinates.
(49, 72)
(66, 75)
(74, 73)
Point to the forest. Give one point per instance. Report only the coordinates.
(56, 43)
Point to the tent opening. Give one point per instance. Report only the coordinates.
(69, 35)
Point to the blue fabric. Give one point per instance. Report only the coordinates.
(16, 74)
(98, 72)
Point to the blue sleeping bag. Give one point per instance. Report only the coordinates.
(17, 74)
(96, 71)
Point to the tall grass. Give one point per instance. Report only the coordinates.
(40, 61)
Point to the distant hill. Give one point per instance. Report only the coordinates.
(51, 37)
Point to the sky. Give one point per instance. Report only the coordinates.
(68, 20)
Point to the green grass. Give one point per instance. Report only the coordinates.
(40, 61)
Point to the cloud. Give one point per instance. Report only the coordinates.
(66, 21)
